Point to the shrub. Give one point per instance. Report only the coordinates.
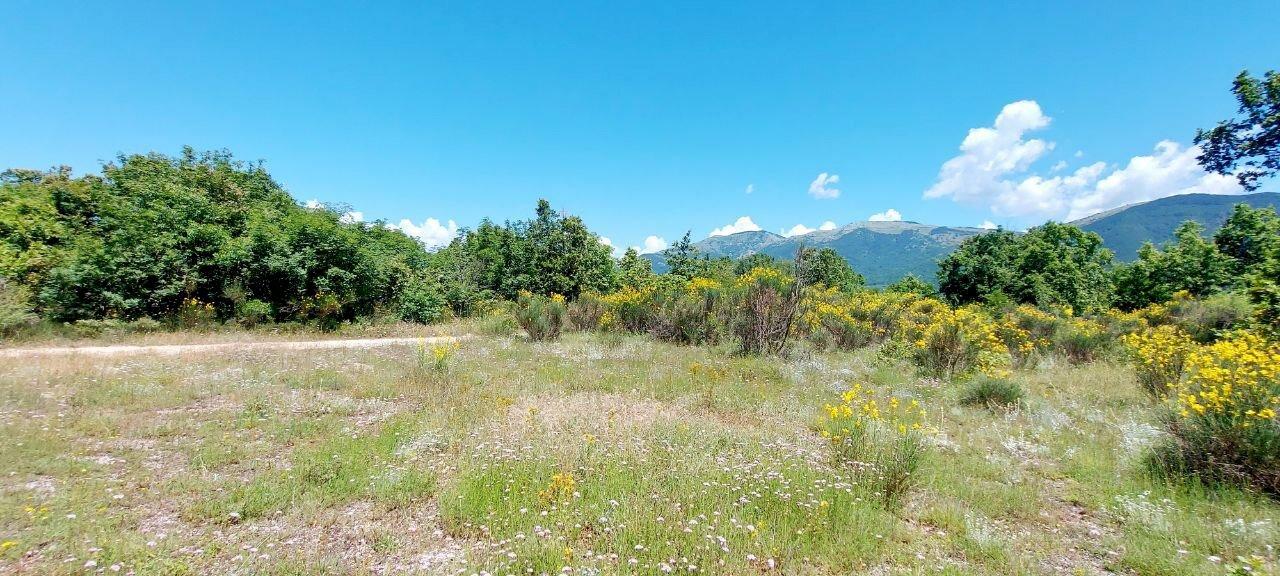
(498, 322)
(586, 312)
(422, 303)
(689, 314)
(992, 393)
(1223, 427)
(251, 313)
(1082, 340)
(193, 313)
(767, 303)
(1159, 356)
(15, 309)
(1204, 319)
(879, 438)
(542, 317)
(630, 309)
(956, 343)
(828, 318)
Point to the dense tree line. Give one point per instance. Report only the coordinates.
(203, 237)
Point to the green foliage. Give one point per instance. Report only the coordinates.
(759, 259)
(542, 317)
(550, 254)
(15, 309)
(1189, 264)
(634, 271)
(1051, 265)
(498, 322)
(1249, 146)
(992, 393)
(767, 304)
(421, 302)
(827, 267)
(1250, 238)
(682, 258)
(152, 233)
(912, 284)
(253, 312)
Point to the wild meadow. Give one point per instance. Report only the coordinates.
(896, 435)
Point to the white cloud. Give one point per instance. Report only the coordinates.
(889, 215)
(988, 154)
(797, 230)
(351, 217)
(751, 188)
(988, 225)
(313, 204)
(431, 232)
(1169, 171)
(828, 225)
(652, 244)
(821, 187)
(994, 168)
(743, 224)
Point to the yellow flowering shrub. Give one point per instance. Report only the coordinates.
(1224, 424)
(1235, 381)
(1082, 339)
(957, 342)
(828, 315)
(1159, 356)
(880, 437)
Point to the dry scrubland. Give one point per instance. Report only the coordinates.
(599, 453)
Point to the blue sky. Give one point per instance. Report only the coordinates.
(647, 119)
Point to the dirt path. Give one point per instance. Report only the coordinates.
(176, 349)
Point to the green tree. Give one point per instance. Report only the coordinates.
(550, 254)
(1051, 265)
(827, 267)
(634, 271)
(1188, 263)
(1249, 237)
(1249, 145)
(153, 232)
(682, 258)
(910, 284)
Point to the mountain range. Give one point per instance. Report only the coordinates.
(883, 252)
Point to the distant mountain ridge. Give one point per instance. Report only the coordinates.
(884, 252)
(1124, 229)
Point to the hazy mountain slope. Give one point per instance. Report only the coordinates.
(1124, 229)
(881, 251)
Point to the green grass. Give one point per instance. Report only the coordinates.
(358, 461)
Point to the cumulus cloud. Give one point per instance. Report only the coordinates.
(651, 245)
(432, 233)
(828, 225)
(988, 154)
(988, 225)
(823, 187)
(313, 204)
(994, 169)
(889, 215)
(742, 224)
(351, 217)
(797, 230)
(1171, 170)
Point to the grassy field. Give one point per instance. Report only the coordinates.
(597, 454)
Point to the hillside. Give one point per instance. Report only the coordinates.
(881, 251)
(1124, 229)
